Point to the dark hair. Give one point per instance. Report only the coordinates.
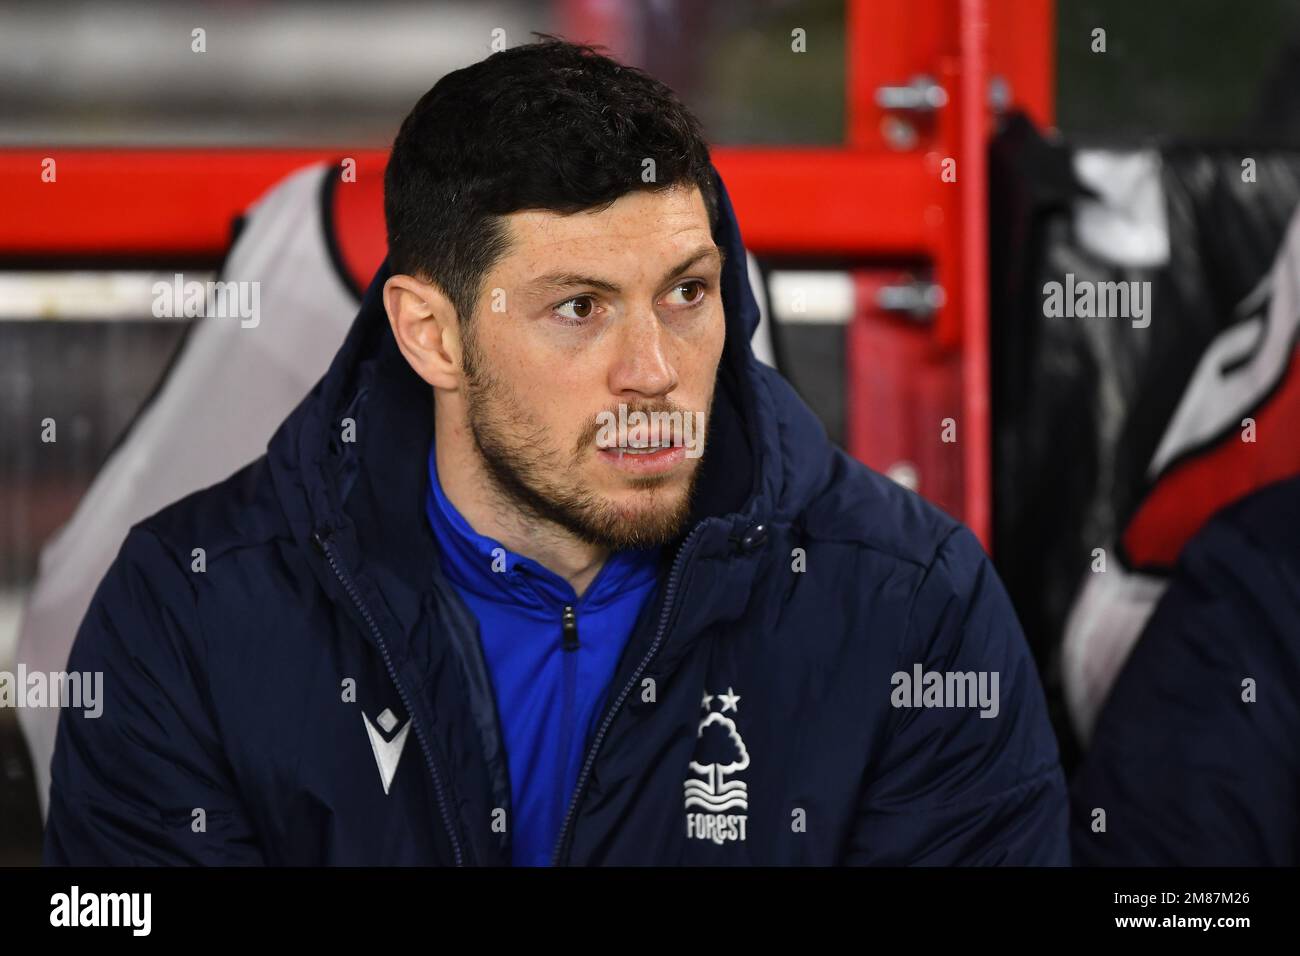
(547, 125)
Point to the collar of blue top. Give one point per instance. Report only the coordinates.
(486, 567)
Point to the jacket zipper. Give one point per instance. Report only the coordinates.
(670, 592)
(570, 628)
(322, 541)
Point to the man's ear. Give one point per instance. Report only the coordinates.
(424, 324)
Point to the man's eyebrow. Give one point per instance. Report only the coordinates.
(563, 280)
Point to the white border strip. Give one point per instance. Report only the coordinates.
(101, 296)
(811, 296)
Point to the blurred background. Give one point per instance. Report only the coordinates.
(896, 297)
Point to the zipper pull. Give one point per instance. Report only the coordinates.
(570, 621)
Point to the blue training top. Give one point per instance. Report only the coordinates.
(551, 656)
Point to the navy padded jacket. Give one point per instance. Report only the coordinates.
(248, 706)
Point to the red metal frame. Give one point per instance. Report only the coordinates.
(972, 113)
(864, 200)
(137, 202)
(142, 202)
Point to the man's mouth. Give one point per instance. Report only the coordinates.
(652, 446)
(643, 459)
(642, 448)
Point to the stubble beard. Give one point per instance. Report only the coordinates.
(529, 476)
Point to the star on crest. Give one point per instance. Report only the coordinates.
(729, 700)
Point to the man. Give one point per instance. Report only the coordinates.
(1194, 760)
(547, 568)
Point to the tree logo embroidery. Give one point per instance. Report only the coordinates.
(719, 752)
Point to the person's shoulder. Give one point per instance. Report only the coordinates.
(904, 558)
(1267, 521)
(236, 513)
(1243, 565)
(859, 506)
(204, 551)
(1247, 553)
(837, 499)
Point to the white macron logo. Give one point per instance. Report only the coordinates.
(387, 752)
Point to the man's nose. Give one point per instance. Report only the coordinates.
(643, 365)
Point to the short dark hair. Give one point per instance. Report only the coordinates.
(547, 125)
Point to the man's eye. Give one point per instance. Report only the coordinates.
(696, 290)
(577, 309)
